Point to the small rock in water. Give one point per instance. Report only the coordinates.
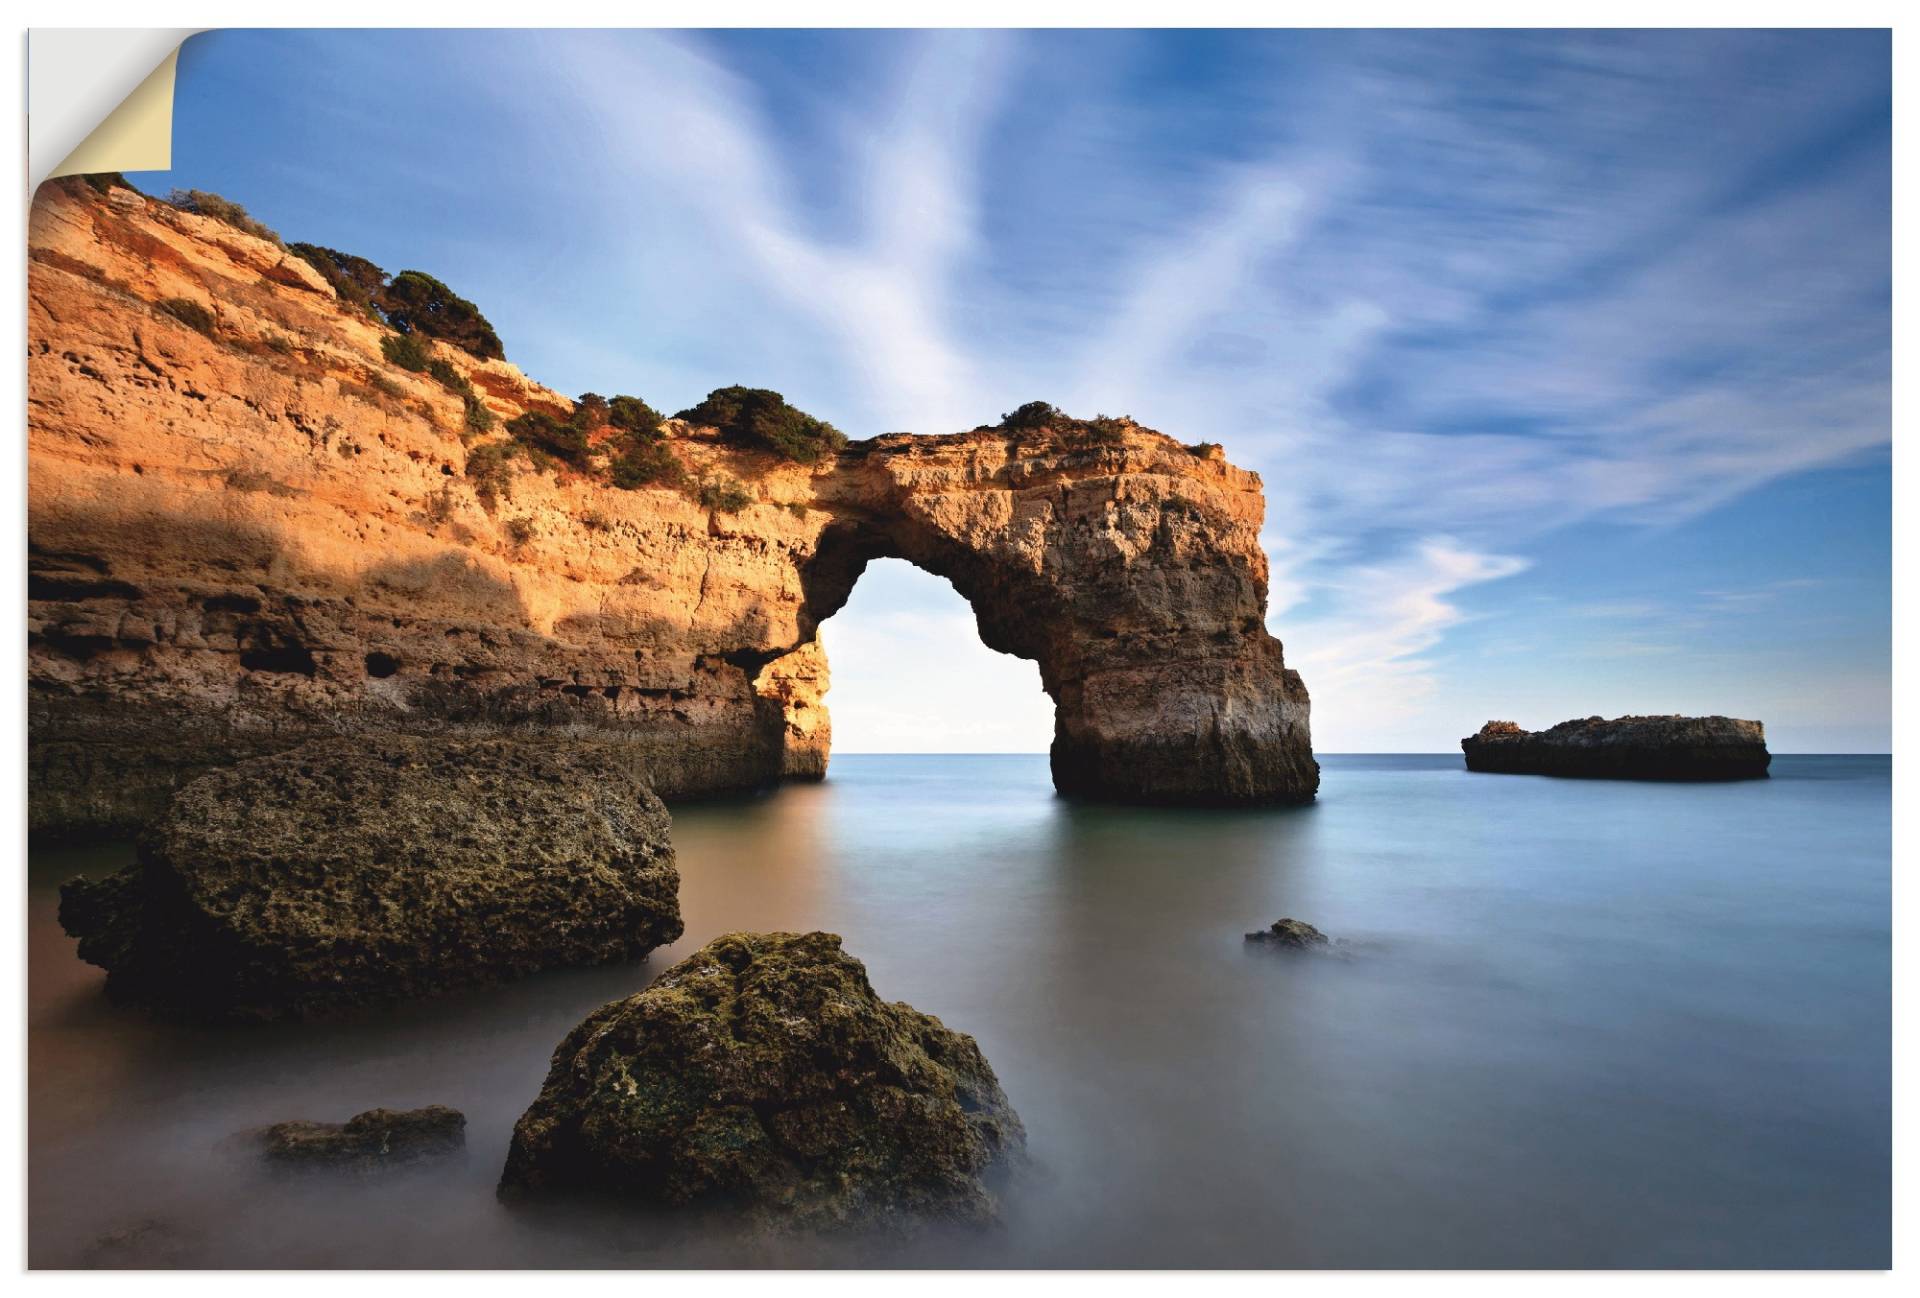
(144, 1245)
(378, 1137)
(1290, 933)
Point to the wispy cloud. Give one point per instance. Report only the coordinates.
(1363, 650)
(1647, 276)
(883, 290)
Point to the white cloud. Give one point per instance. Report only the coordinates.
(1362, 655)
(1443, 327)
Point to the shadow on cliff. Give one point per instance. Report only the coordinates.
(451, 582)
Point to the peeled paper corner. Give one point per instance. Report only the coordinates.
(97, 102)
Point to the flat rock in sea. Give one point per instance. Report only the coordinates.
(355, 871)
(1625, 748)
(1294, 933)
(762, 1075)
(370, 1140)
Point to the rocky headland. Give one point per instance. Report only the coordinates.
(763, 1075)
(364, 870)
(263, 511)
(1625, 748)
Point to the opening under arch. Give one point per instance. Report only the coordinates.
(911, 675)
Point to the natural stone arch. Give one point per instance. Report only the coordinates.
(1126, 567)
(214, 578)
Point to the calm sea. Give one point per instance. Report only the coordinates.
(1571, 1024)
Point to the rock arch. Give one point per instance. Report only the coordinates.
(235, 547)
(1127, 566)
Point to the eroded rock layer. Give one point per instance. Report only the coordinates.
(1625, 748)
(247, 529)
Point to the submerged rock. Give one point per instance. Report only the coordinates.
(1626, 748)
(1295, 933)
(376, 1138)
(763, 1075)
(355, 871)
(150, 1243)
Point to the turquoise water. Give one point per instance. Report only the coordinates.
(1572, 1024)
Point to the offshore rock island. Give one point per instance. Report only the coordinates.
(1625, 748)
(261, 514)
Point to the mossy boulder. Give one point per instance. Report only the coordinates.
(353, 871)
(763, 1075)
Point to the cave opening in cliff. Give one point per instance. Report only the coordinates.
(910, 674)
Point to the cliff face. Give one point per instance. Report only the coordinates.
(1625, 748)
(247, 529)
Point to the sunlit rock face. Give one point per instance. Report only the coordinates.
(258, 531)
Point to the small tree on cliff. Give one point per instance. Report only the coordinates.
(645, 462)
(416, 302)
(563, 440)
(358, 281)
(762, 418)
(1035, 414)
(635, 416)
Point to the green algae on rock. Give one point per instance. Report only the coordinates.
(351, 871)
(762, 1074)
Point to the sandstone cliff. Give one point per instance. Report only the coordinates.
(247, 528)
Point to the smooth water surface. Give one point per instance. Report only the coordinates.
(1572, 1024)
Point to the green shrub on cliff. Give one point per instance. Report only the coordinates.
(479, 419)
(406, 351)
(763, 419)
(441, 371)
(635, 416)
(358, 281)
(540, 431)
(723, 495)
(416, 302)
(102, 181)
(645, 462)
(189, 313)
(490, 470)
(201, 203)
(590, 411)
(1034, 414)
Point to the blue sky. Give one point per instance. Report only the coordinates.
(1565, 356)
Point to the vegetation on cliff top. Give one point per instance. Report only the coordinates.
(1037, 415)
(201, 203)
(416, 302)
(763, 419)
(102, 181)
(357, 280)
(617, 439)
